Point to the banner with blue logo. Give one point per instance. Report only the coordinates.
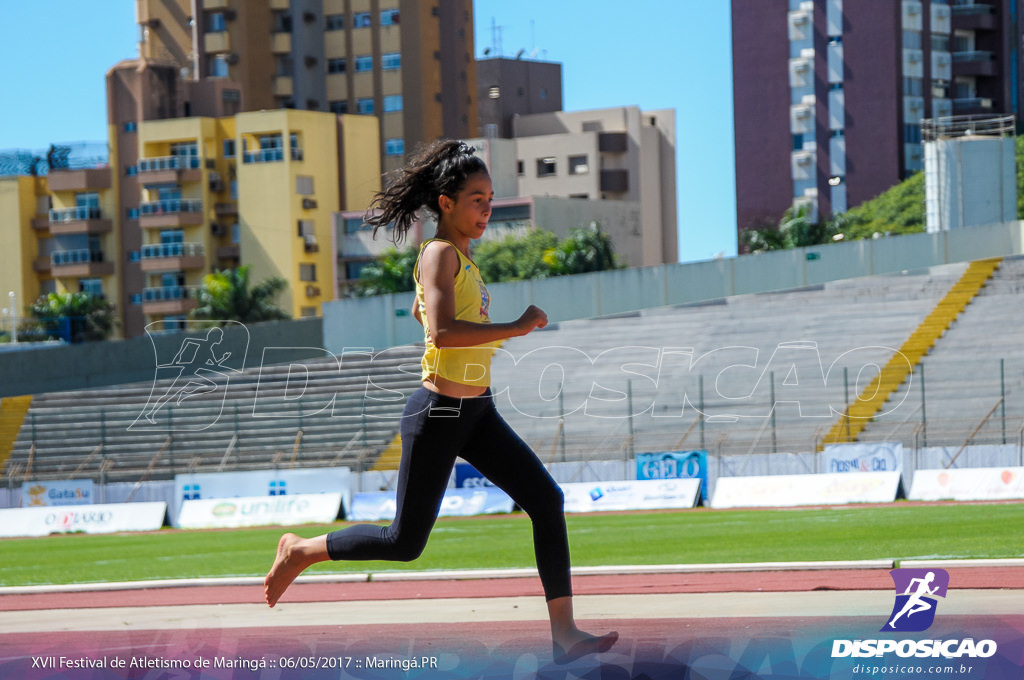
(380, 505)
(675, 465)
(863, 457)
(468, 477)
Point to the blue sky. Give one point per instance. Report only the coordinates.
(655, 54)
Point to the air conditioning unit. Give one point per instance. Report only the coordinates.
(311, 245)
(232, 58)
(312, 291)
(218, 229)
(309, 204)
(216, 186)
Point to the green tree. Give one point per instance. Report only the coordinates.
(584, 250)
(227, 295)
(515, 258)
(899, 210)
(79, 317)
(795, 230)
(391, 272)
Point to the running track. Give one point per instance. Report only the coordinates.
(757, 624)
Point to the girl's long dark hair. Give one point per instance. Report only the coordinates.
(435, 169)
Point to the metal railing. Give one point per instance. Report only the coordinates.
(169, 163)
(271, 155)
(77, 256)
(171, 250)
(171, 205)
(74, 214)
(162, 293)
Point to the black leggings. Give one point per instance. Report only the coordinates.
(435, 429)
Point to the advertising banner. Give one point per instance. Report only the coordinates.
(65, 492)
(866, 457)
(631, 495)
(320, 508)
(783, 491)
(253, 483)
(380, 505)
(468, 477)
(89, 519)
(968, 484)
(675, 465)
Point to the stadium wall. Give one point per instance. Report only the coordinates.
(55, 368)
(384, 321)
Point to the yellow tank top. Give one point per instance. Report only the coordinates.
(464, 365)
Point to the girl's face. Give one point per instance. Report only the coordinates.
(467, 213)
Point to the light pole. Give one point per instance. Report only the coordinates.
(14, 319)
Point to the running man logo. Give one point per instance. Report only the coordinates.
(914, 609)
(192, 369)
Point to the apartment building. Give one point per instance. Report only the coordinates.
(829, 95)
(410, 63)
(507, 88)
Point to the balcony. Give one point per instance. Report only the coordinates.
(171, 212)
(283, 86)
(216, 5)
(79, 220)
(169, 300)
(271, 155)
(90, 179)
(172, 257)
(41, 223)
(974, 17)
(974, 63)
(225, 209)
(281, 43)
(217, 43)
(969, 105)
(170, 170)
(79, 262)
(615, 181)
(232, 252)
(612, 142)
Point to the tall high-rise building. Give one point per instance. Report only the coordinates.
(408, 62)
(829, 94)
(507, 88)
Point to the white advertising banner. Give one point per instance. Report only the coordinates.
(89, 519)
(320, 508)
(968, 484)
(65, 492)
(783, 491)
(253, 483)
(641, 494)
(864, 457)
(372, 506)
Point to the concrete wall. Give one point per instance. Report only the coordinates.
(374, 322)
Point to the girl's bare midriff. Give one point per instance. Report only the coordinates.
(450, 388)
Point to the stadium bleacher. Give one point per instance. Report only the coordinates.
(568, 389)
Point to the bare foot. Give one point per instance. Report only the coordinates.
(578, 643)
(288, 564)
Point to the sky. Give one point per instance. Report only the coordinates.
(654, 54)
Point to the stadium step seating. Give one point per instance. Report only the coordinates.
(874, 396)
(12, 416)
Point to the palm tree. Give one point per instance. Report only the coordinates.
(391, 272)
(226, 295)
(80, 317)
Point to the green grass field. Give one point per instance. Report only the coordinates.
(902, 531)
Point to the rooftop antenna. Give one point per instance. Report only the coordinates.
(496, 38)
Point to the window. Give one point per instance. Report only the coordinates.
(913, 87)
(520, 169)
(131, 126)
(364, 64)
(354, 224)
(87, 200)
(307, 312)
(798, 142)
(394, 147)
(912, 40)
(335, 65)
(282, 23)
(285, 65)
(304, 185)
(546, 167)
(307, 228)
(362, 20)
(307, 272)
(835, 86)
(912, 134)
(92, 287)
(388, 17)
(215, 23)
(364, 106)
(940, 89)
(391, 61)
(494, 92)
(392, 103)
(354, 269)
(172, 236)
(229, 148)
(940, 41)
(219, 66)
(578, 165)
(338, 107)
(335, 22)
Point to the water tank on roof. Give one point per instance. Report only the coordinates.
(970, 171)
